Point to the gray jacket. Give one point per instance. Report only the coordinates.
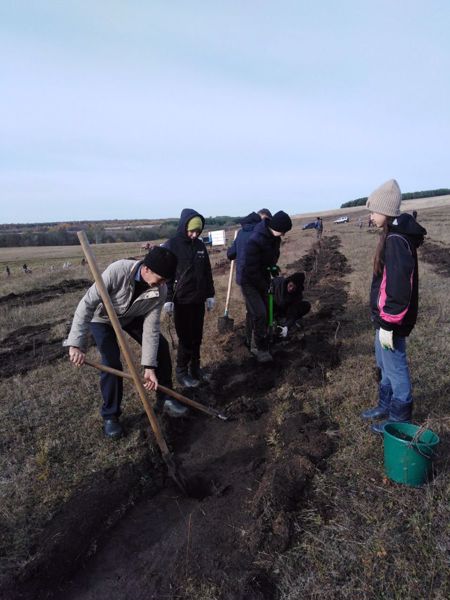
(119, 281)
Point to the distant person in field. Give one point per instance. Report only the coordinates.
(318, 226)
(8, 271)
(414, 214)
(138, 292)
(289, 306)
(394, 302)
(260, 262)
(237, 252)
(190, 292)
(25, 269)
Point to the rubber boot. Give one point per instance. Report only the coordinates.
(384, 402)
(185, 380)
(400, 412)
(196, 372)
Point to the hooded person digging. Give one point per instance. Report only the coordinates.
(138, 291)
(190, 291)
(289, 306)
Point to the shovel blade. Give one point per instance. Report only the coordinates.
(225, 324)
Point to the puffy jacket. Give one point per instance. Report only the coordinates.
(119, 279)
(262, 251)
(193, 281)
(237, 249)
(394, 292)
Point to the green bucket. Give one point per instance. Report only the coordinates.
(408, 453)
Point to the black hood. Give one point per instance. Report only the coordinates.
(406, 225)
(186, 215)
(248, 223)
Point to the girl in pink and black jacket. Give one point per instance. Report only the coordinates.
(393, 301)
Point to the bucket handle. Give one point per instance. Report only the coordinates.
(414, 444)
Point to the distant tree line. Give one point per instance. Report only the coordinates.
(64, 234)
(408, 196)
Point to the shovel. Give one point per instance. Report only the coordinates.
(225, 323)
(173, 469)
(206, 409)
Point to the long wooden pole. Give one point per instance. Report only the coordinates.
(124, 346)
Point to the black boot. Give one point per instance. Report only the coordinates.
(172, 408)
(399, 412)
(196, 372)
(185, 380)
(112, 427)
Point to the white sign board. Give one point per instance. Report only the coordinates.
(218, 238)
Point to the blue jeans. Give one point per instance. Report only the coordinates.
(395, 384)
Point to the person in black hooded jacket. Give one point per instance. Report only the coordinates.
(237, 252)
(289, 306)
(187, 294)
(260, 259)
(394, 302)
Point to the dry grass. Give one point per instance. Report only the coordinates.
(358, 535)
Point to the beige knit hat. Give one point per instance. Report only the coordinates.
(386, 199)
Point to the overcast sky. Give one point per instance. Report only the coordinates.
(138, 108)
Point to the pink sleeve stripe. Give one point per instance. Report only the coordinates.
(395, 319)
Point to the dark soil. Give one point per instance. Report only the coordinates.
(46, 294)
(248, 477)
(438, 256)
(29, 347)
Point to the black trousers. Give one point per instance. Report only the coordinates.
(111, 386)
(256, 304)
(189, 320)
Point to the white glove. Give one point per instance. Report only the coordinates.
(386, 339)
(282, 331)
(210, 303)
(168, 307)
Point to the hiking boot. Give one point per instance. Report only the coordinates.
(262, 356)
(174, 409)
(112, 428)
(185, 380)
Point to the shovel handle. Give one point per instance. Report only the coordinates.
(230, 281)
(206, 409)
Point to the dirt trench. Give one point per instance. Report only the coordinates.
(251, 475)
(437, 255)
(46, 294)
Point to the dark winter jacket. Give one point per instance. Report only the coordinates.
(394, 292)
(193, 281)
(283, 299)
(237, 249)
(262, 251)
